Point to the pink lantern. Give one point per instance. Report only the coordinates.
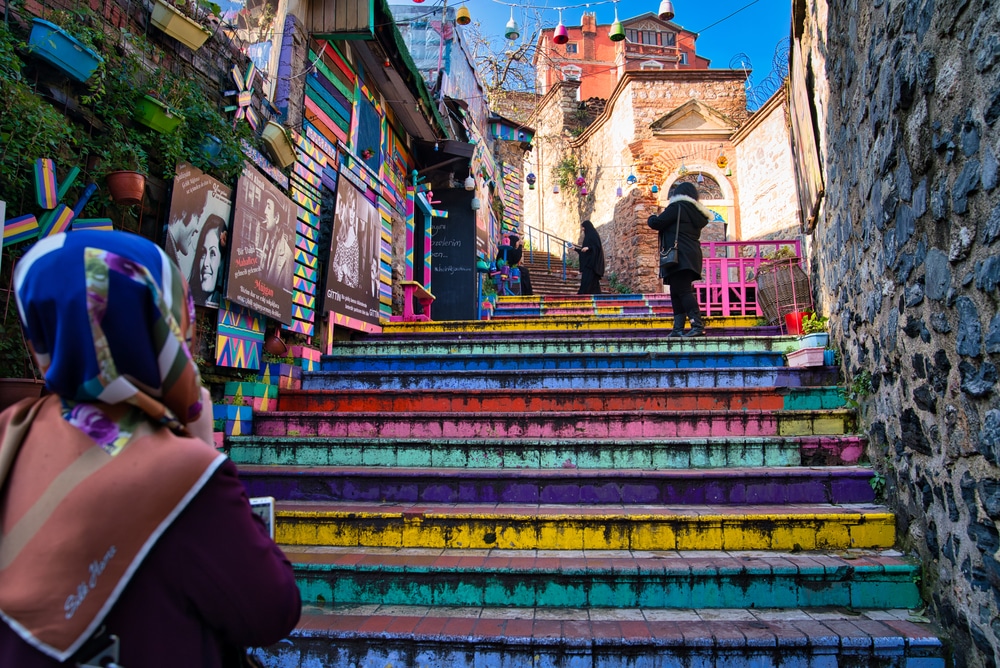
(583, 191)
(579, 180)
(561, 35)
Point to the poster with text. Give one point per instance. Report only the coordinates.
(196, 232)
(353, 277)
(262, 261)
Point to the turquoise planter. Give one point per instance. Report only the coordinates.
(58, 48)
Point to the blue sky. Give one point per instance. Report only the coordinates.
(755, 27)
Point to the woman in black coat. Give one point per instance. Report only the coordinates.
(591, 260)
(685, 209)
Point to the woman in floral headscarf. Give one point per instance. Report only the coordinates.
(117, 518)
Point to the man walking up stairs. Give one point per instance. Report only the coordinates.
(577, 490)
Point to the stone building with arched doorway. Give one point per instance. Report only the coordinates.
(616, 161)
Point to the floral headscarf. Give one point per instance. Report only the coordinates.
(109, 318)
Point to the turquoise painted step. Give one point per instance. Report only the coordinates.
(555, 424)
(354, 636)
(573, 378)
(548, 453)
(534, 345)
(592, 579)
(498, 361)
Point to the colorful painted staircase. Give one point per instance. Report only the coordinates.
(580, 491)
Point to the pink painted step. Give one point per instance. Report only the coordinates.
(578, 424)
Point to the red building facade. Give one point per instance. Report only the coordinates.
(599, 63)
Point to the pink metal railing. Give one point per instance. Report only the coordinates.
(729, 273)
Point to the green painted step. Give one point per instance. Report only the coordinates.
(600, 579)
(548, 453)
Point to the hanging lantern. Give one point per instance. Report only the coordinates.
(531, 181)
(666, 10)
(555, 189)
(418, 1)
(617, 32)
(561, 35)
(580, 180)
(682, 170)
(729, 171)
(513, 31)
(462, 16)
(475, 204)
(722, 161)
(701, 177)
(618, 191)
(654, 189)
(470, 182)
(631, 179)
(583, 191)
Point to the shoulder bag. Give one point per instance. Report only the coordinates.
(669, 257)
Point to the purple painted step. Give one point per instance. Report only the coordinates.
(562, 486)
(570, 379)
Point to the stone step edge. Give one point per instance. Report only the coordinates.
(854, 635)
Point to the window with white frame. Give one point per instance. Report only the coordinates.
(571, 48)
(571, 73)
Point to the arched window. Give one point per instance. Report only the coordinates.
(651, 65)
(708, 188)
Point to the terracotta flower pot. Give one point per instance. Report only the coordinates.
(126, 187)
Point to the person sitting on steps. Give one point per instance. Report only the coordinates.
(683, 210)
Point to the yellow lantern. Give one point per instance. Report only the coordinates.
(462, 17)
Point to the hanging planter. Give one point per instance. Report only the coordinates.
(181, 27)
(278, 144)
(126, 188)
(156, 115)
(60, 49)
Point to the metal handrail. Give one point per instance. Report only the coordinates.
(541, 241)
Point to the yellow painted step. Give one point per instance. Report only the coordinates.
(592, 528)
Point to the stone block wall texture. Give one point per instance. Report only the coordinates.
(907, 252)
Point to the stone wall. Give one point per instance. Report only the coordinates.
(906, 252)
(768, 208)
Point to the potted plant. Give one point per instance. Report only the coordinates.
(814, 334)
(279, 144)
(182, 21)
(59, 48)
(124, 163)
(210, 140)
